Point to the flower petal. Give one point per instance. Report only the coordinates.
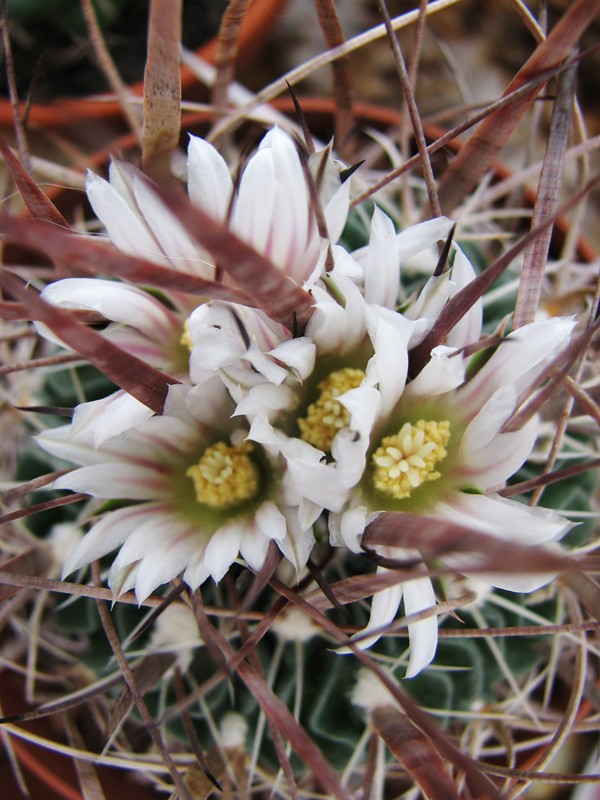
(468, 329)
(390, 333)
(519, 359)
(209, 183)
(444, 371)
(384, 608)
(166, 562)
(124, 225)
(422, 635)
(179, 249)
(223, 548)
(114, 301)
(115, 481)
(109, 533)
(507, 520)
(382, 268)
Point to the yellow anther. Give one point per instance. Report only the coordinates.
(406, 460)
(225, 476)
(326, 416)
(186, 339)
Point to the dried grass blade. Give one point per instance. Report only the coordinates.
(413, 111)
(546, 203)
(12, 516)
(549, 477)
(147, 673)
(162, 82)
(91, 256)
(281, 717)
(36, 202)
(197, 779)
(268, 287)
(479, 784)
(463, 300)
(478, 154)
(10, 495)
(143, 382)
(18, 122)
(586, 589)
(107, 65)
(36, 363)
(91, 788)
(210, 766)
(15, 311)
(588, 406)
(415, 752)
(35, 561)
(131, 682)
(349, 590)
(227, 50)
(72, 700)
(342, 75)
(452, 134)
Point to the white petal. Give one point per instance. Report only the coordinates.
(147, 538)
(468, 328)
(109, 533)
(519, 359)
(208, 404)
(114, 301)
(99, 420)
(223, 548)
(196, 572)
(254, 546)
(346, 529)
(271, 521)
(382, 269)
(507, 520)
(384, 608)
(115, 481)
(176, 244)
(209, 182)
(444, 371)
(160, 354)
(364, 404)
(310, 478)
(422, 635)
(254, 205)
(336, 328)
(429, 304)
(490, 467)
(298, 354)
(124, 225)
(421, 236)
(164, 564)
(486, 424)
(390, 333)
(299, 541)
(336, 212)
(265, 400)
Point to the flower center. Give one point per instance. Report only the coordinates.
(225, 476)
(406, 460)
(326, 416)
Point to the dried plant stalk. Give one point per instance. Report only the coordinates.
(534, 259)
(162, 82)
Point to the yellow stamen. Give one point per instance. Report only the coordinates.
(225, 476)
(186, 339)
(326, 416)
(406, 460)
